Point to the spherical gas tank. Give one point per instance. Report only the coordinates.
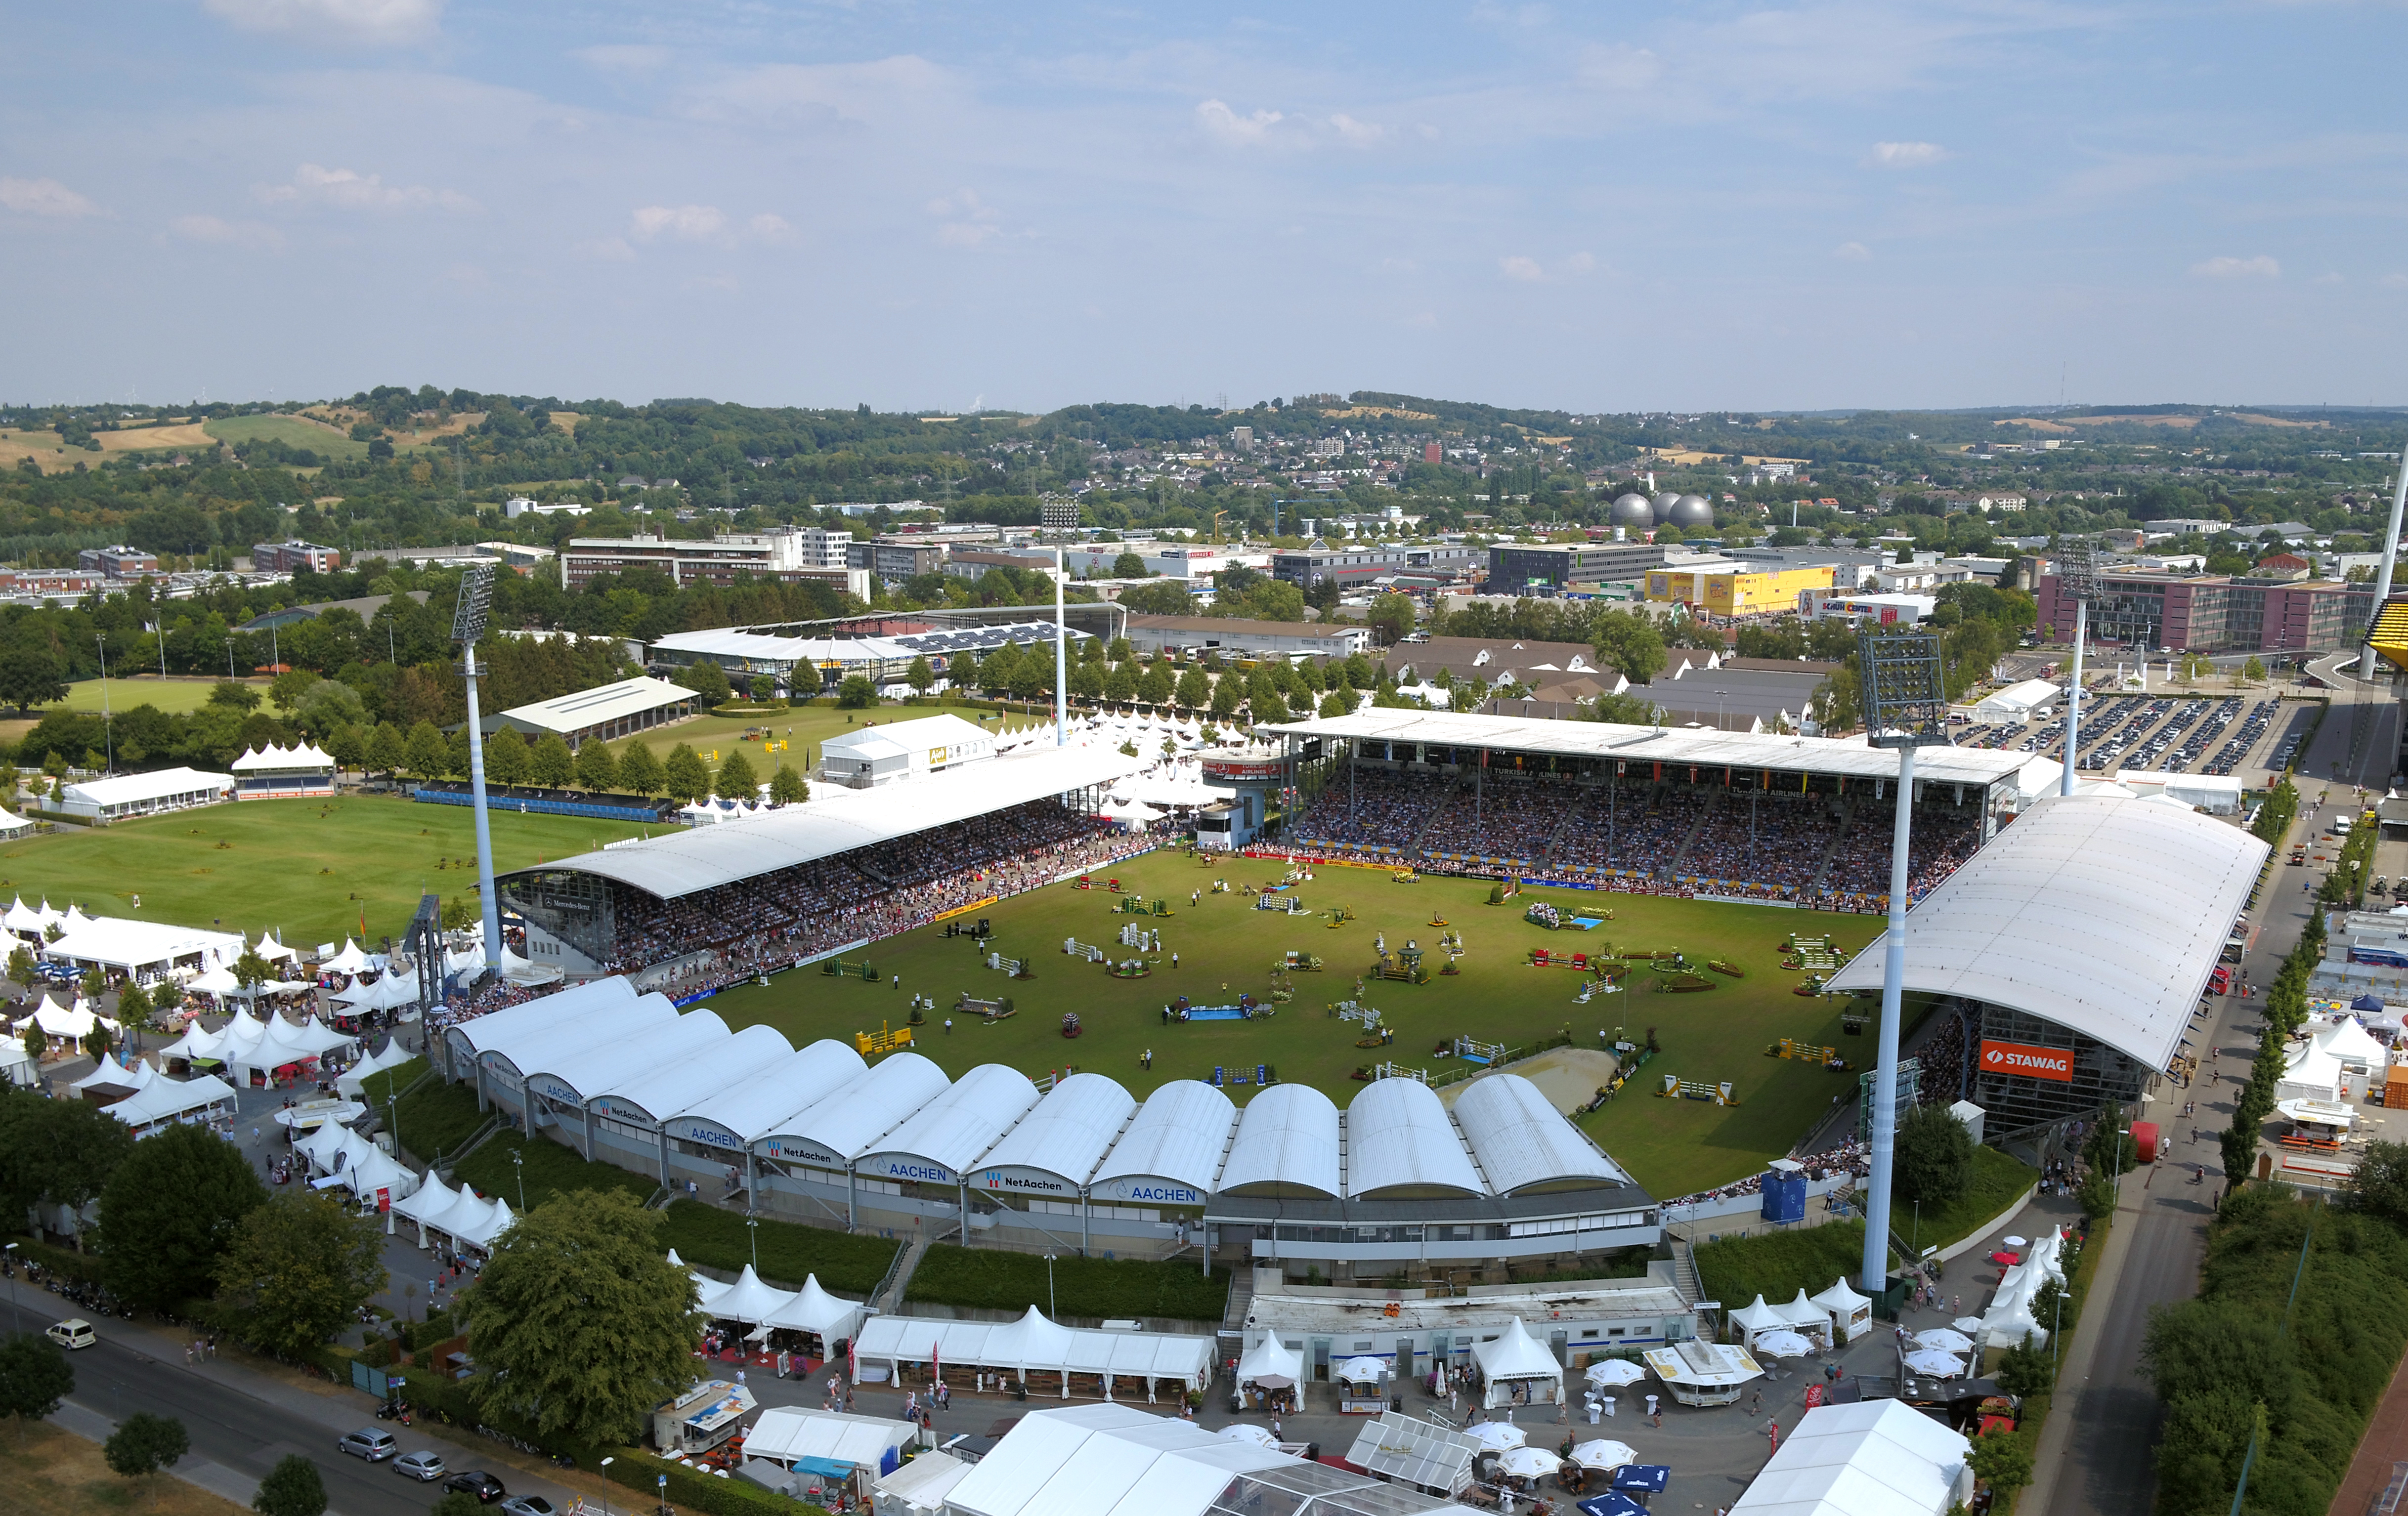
(1661, 507)
(1633, 511)
(1692, 513)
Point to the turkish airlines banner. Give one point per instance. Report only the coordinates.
(2024, 1059)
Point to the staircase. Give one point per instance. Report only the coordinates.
(1680, 853)
(1685, 1272)
(1839, 834)
(888, 1298)
(1412, 848)
(1241, 1298)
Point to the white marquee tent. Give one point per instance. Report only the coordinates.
(1517, 1358)
(163, 1101)
(1872, 1458)
(1034, 1344)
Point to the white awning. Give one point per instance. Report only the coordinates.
(163, 1100)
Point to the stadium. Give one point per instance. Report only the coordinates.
(2142, 892)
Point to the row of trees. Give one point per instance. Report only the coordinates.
(548, 763)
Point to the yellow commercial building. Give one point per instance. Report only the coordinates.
(1730, 590)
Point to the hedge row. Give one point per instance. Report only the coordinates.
(717, 1239)
(994, 1280)
(640, 1471)
(551, 1169)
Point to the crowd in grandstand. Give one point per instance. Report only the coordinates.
(1852, 1159)
(1645, 834)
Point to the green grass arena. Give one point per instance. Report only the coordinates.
(1226, 946)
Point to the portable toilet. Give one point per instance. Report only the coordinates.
(1784, 1192)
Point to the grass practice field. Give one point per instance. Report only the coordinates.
(176, 695)
(305, 868)
(1226, 948)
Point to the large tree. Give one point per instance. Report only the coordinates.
(579, 1321)
(171, 1210)
(298, 1268)
(685, 777)
(34, 1378)
(293, 1488)
(1935, 1156)
(506, 758)
(737, 779)
(425, 753)
(551, 764)
(595, 769)
(640, 768)
(29, 677)
(787, 787)
(58, 1151)
(143, 1444)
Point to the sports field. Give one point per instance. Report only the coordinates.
(306, 868)
(1226, 948)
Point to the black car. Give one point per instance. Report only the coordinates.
(476, 1481)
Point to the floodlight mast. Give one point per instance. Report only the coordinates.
(1061, 663)
(1906, 707)
(467, 625)
(2077, 575)
(2390, 553)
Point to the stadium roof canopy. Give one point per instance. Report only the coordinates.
(1401, 1138)
(1522, 1141)
(1848, 756)
(837, 820)
(2102, 914)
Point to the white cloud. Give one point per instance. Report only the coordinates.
(626, 58)
(968, 221)
(1531, 271)
(1242, 131)
(1526, 270)
(1357, 133)
(2260, 267)
(44, 197)
(608, 249)
(372, 23)
(1579, 263)
(687, 223)
(225, 233)
(1619, 67)
(1854, 253)
(1906, 154)
(351, 190)
(905, 90)
(767, 228)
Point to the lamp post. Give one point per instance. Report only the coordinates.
(467, 625)
(606, 1486)
(1906, 707)
(13, 1306)
(107, 735)
(1049, 1285)
(518, 1161)
(2077, 575)
(753, 1225)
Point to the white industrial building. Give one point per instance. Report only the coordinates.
(806, 664)
(869, 756)
(604, 713)
(820, 1135)
(2017, 702)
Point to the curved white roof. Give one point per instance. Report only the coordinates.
(668, 1086)
(2102, 915)
(952, 1130)
(682, 862)
(1287, 1135)
(520, 1026)
(758, 1103)
(592, 1068)
(1069, 1131)
(1521, 1139)
(1397, 1134)
(1179, 1134)
(607, 1027)
(850, 1120)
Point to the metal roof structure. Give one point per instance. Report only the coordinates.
(587, 1067)
(1286, 1136)
(833, 1132)
(507, 1036)
(1609, 740)
(667, 1087)
(953, 1130)
(571, 713)
(2102, 914)
(1400, 1137)
(1105, 1460)
(837, 820)
(1178, 1135)
(758, 1103)
(1069, 1132)
(764, 646)
(1521, 1140)
(1872, 1458)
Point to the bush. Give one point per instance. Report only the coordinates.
(997, 1280)
(551, 1169)
(716, 1238)
(1777, 1265)
(436, 1119)
(640, 1470)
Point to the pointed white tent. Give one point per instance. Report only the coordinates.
(349, 961)
(749, 1301)
(1805, 1316)
(1755, 1317)
(1271, 1363)
(162, 1101)
(429, 1200)
(813, 1310)
(1514, 1358)
(354, 1080)
(271, 950)
(1852, 1314)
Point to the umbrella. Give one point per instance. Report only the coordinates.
(1782, 1345)
(1940, 1366)
(1529, 1462)
(1249, 1431)
(1651, 1478)
(1944, 1339)
(1495, 1434)
(2367, 1002)
(1361, 1372)
(1604, 1452)
(1612, 1504)
(1967, 1324)
(1615, 1372)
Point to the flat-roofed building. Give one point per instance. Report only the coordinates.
(1524, 569)
(294, 555)
(1734, 589)
(606, 712)
(792, 554)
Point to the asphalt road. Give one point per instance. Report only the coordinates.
(2114, 1412)
(243, 1423)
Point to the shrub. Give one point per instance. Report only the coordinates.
(997, 1280)
(717, 1239)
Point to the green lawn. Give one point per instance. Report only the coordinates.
(292, 431)
(789, 1250)
(306, 868)
(994, 1280)
(551, 1169)
(806, 726)
(1226, 946)
(176, 695)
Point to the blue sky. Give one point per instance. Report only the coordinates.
(1794, 203)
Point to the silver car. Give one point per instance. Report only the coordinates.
(424, 1466)
(369, 1443)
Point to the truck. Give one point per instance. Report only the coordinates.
(704, 1416)
(2220, 981)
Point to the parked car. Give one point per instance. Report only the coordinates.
(72, 1333)
(529, 1505)
(423, 1466)
(476, 1481)
(368, 1443)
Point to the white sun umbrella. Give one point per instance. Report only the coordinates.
(1249, 1431)
(1529, 1462)
(1782, 1344)
(1604, 1453)
(1497, 1434)
(1967, 1324)
(1931, 1361)
(1944, 1339)
(1361, 1370)
(1614, 1373)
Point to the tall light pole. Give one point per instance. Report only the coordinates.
(2077, 575)
(467, 625)
(1049, 1285)
(2390, 551)
(1061, 660)
(1906, 707)
(107, 735)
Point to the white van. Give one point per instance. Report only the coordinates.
(73, 1334)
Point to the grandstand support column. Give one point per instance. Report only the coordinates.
(663, 1132)
(2390, 551)
(1086, 1207)
(2073, 696)
(965, 1181)
(1884, 1137)
(1061, 714)
(851, 1221)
